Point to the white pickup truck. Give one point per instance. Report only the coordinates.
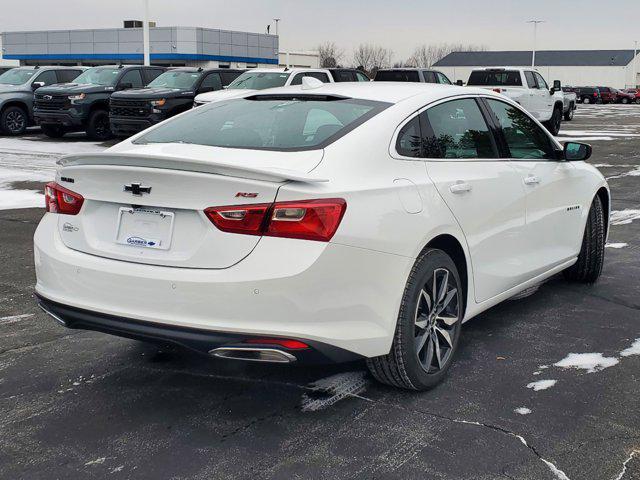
(528, 88)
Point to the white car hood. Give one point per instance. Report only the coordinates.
(221, 95)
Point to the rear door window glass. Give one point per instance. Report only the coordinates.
(409, 142)
(429, 77)
(397, 76)
(495, 78)
(457, 130)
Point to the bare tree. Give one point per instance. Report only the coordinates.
(425, 56)
(330, 55)
(372, 57)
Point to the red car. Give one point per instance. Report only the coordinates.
(635, 92)
(624, 97)
(608, 95)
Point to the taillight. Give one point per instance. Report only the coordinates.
(61, 200)
(497, 90)
(305, 219)
(595, 94)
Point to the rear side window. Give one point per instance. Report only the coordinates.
(297, 80)
(457, 130)
(283, 123)
(493, 78)
(66, 76)
(397, 76)
(228, 77)
(409, 143)
(525, 139)
(429, 77)
(343, 76)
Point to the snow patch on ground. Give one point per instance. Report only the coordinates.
(560, 475)
(14, 318)
(522, 410)
(624, 217)
(97, 461)
(616, 245)
(624, 465)
(631, 173)
(328, 391)
(541, 385)
(634, 349)
(591, 362)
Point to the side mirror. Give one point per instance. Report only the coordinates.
(125, 86)
(224, 87)
(576, 152)
(460, 83)
(37, 85)
(557, 86)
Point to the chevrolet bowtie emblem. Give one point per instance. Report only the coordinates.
(137, 189)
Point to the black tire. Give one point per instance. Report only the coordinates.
(624, 101)
(638, 100)
(591, 258)
(586, 100)
(419, 368)
(98, 125)
(568, 116)
(53, 131)
(13, 120)
(553, 125)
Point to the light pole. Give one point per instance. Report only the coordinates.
(634, 81)
(145, 33)
(276, 20)
(535, 38)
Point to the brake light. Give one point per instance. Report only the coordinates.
(497, 90)
(595, 94)
(290, 344)
(306, 219)
(61, 200)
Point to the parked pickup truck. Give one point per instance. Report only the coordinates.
(528, 88)
(84, 104)
(570, 98)
(131, 111)
(263, 78)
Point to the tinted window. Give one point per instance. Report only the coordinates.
(260, 80)
(397, 76)
(152, 73)
(48, 77)
(211, 83)
(362, 77)
(297, 80)
(343, 76)
(525, 139)
(429, 77)
(457, 129)
(409, 143)
(541, 83)
(133, 77)
(228, 77)
(66, 76)
(266, 123)
(442, 78)
(493, 78)
(531, 80)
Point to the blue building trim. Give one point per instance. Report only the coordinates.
(139, 56)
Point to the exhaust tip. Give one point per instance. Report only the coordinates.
(253, 354)
(52, 315)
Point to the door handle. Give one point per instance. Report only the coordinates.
(531, 180)
(460, 187)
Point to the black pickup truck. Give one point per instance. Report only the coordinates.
(84, 104)
(170, 94)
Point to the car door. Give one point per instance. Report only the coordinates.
(210, 83)
(483, 191)
(552, 187)
(532, 104)
(131, 79)
(546, 100)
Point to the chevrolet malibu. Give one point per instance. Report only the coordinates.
(320, 223)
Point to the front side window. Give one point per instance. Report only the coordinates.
(211, 82)
(429, 77)
(99, 76)
(297, 80)
(525, 139)
(132, 79)
(362, 77)
(442, 78)
(176, 79)
(409, 143)
(283, 123)
(17, 76)
(48, 77)
(457, 130)
(541, 83)
(495, 78)
(259, 80)
(531, 80)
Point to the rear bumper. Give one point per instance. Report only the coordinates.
(199, 340)
(332, 294)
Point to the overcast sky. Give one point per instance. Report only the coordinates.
(399, 25)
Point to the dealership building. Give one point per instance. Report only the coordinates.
(607, 68)
(170, 46)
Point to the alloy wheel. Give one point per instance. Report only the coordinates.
(436, 320)
(15, 121)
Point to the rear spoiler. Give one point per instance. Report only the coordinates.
(189, 165)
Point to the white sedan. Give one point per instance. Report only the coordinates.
(320, 223)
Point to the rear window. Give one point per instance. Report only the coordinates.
(491, 78)
(397, 76)
(284, 123)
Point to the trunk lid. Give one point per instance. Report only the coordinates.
(146, 204)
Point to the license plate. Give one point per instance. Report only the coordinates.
(145, 227)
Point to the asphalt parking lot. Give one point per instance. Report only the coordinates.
(79, 404)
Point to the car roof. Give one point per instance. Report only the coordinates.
(408, 69)
(49, 67)
(389, 92)
(286, 70)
